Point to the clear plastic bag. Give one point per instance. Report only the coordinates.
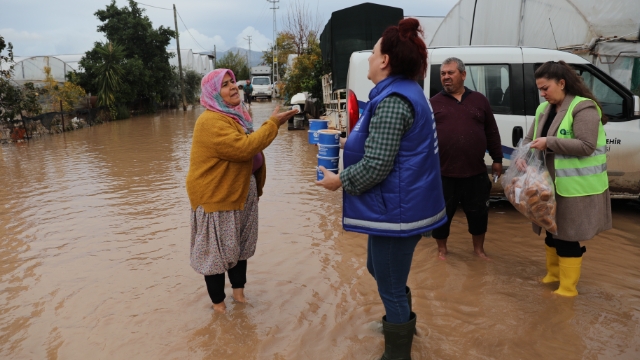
(530, 189)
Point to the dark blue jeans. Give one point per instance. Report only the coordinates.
(389, 262)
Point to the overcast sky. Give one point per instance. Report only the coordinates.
(44, 27)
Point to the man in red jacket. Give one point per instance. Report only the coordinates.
(466, 129)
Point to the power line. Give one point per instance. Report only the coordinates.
(185, 25)
(194, 39)
(157, 7)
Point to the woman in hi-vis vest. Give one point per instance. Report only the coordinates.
(391, 176)
(568, 127)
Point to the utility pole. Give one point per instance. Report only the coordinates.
(215, 57)
(184, 99)
(275, 41)
(248, 38)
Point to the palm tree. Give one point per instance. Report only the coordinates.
(110, 74)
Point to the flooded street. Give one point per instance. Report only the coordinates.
(94, 264)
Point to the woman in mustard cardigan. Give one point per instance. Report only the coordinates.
(226, 175)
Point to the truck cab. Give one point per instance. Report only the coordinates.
(261, 82)
(262, 87)
(505, 76)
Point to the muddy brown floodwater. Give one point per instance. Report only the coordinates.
(94, 264)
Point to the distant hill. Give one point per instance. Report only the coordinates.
(256, 56)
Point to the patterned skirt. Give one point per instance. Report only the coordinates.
(219, 239)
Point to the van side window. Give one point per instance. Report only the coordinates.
(608, 93)
(493, 82)
(612, 103)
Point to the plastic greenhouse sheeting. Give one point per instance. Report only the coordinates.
(31, 68)
(200, 63)
(603, 32)
(538, 23)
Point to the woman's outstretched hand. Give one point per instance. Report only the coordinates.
(283, 117)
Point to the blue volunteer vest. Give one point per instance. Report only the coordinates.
(409, 201)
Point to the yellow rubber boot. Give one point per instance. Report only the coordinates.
(569, 276)
(552, 266)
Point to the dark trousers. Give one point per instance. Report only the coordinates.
(389, 261)
(473, 193)
(565, 248)
(247, 98)
(215, 283)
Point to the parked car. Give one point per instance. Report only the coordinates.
(504, 74)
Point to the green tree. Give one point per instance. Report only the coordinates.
(236, 63)
(110, 73)
(286, 47)
(7, 59)
(70, 94)
(307, 71)
(14, 100)
(192, 81)
(146, 71)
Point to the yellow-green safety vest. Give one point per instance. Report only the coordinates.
(578, 175)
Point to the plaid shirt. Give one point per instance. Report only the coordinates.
(392, 119)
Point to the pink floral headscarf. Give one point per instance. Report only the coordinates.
(211, 99)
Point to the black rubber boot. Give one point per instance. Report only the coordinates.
(398, 339)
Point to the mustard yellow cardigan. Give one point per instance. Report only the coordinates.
(222, 160)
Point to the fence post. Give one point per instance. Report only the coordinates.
(62, 115)
(24, 125)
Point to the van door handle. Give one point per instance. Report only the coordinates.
(516, 135)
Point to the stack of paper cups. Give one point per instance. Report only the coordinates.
(314, 126)
(328, 151)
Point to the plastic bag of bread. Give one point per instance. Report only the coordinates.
(530, 188)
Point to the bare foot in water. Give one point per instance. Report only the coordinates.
(481, 254)
(238, 295)
(221, 308)
(442, 249)
(478, 246)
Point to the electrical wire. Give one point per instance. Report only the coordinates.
(157, 7)
(185, 25)
(194, 39)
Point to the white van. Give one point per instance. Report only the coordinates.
(505, 76)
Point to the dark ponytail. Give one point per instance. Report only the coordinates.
(574, 85)
(406, 50)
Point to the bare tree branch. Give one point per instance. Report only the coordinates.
(302, 24)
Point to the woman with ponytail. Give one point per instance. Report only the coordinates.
(568, 128)
(391, 177)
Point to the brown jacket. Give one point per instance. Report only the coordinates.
(578, 218)
(222, 160)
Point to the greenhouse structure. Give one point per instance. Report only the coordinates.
(603, 32)
(200, 63)
(31, 68)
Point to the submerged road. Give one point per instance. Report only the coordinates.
(94, 263)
